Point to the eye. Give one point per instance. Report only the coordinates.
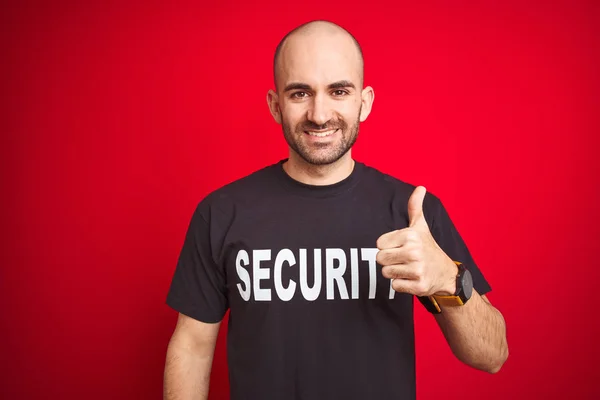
(340, 92)
(299, 95)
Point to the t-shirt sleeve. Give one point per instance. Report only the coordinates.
(447, 237)
(198, 287)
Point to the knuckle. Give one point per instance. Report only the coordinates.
(417, 238)
(414, 254)
(387, 272)
(419, 270)
(382, 257)
(421, 288)
(387, 240)
(413, 236)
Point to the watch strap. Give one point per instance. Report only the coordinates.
(430, 304)
(448, 301)
(434, 303)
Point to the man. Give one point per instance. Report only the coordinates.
(319, 257)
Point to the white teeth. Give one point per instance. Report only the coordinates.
(321, 134)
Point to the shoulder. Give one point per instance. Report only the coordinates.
(399, 189)
(241, 190)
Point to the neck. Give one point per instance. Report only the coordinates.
(300, 170)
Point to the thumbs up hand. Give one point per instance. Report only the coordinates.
(412, 258)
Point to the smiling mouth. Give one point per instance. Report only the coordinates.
(321, 133)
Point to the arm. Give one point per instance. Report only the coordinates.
(476, 333)
(189, 359)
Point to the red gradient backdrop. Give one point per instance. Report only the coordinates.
(119, 117)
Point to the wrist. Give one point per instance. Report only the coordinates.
(449, 286)
(456, 291)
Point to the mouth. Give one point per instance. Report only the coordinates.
(321, 134)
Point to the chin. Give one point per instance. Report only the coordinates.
(321, 159)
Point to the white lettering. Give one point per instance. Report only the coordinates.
(284, 294)
(335, 274)
(342, 267)
(242, 257)
(370, 255)
(259, 274)
(309, 293)
(354, 268)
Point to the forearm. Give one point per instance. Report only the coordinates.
(187, 373)
(476, 333)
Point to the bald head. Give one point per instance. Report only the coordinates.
(307, 41)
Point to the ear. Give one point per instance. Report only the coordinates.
(273, 102)
(367, 98)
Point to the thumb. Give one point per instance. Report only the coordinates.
(415, 206)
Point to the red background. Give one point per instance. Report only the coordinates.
(118, 119)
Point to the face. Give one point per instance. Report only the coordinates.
(319, 100)
(321, 144)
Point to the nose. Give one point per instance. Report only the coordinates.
(319, 111)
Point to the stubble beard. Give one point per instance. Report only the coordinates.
(319, 154)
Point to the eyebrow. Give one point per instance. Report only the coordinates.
(341, 85)
(335, 85)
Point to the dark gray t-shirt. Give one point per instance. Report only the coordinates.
(311, 316)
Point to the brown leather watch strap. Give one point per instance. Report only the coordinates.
(448, 301)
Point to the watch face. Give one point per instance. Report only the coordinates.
(467, 284)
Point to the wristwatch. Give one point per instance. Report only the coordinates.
(464, 290)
